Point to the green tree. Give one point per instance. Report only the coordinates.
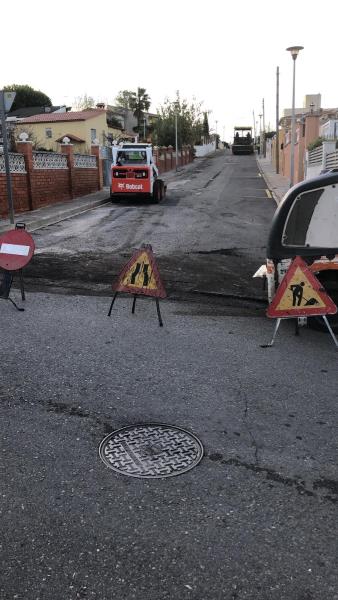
(123, 98)
(139, 103)
(27, 96)
(189, 122)
(205, 125)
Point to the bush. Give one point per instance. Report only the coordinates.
(315, 144)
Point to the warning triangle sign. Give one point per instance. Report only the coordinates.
(141, 276)
(300, 294)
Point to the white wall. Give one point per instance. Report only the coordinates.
(205, 149)
(313, 171)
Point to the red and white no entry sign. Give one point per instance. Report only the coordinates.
(16, 249)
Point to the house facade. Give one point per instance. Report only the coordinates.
(310, 125)
(82, 128)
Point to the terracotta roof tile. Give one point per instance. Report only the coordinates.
(82, 115)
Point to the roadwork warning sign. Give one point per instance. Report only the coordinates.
(141, 276)
(300, 294)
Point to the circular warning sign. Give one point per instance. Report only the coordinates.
(16, 249)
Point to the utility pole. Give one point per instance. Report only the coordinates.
(260, 135)
(5, 146)
(264, 144)
(177, 107)
(294, 53)
(277, 120)
(254, 125)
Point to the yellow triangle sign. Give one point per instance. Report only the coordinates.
(300, 294)
(141, 276)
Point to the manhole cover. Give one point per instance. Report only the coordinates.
(151, 451)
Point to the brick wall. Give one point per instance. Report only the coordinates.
(165, 158)
(47, 185)
(85, 182)
(19, 193)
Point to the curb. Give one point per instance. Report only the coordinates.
(267, 181)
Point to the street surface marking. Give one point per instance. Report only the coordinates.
(268, 193)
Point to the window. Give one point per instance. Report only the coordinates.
(93, 134)
(49, 133)
(131, 157)
(313, 220)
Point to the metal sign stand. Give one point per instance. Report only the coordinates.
(134, 305)
(278, 322)
(5, 288)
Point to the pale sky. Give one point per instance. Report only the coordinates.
(224, 53)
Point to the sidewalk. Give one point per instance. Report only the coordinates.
(277, 184)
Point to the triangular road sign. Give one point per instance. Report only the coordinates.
(141, 276)
(300, 294)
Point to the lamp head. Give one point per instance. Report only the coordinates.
(295, 51)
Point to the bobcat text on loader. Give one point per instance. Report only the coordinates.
(134, 173)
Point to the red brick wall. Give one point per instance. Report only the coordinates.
(49, 186)
(165, 158)
(85, 182)
(19, 193)
(42, 187)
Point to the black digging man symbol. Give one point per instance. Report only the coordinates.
(297, 293)
(297, 290)
(144, 269)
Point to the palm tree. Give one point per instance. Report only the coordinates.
(140, 102)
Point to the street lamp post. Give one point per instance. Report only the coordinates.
(216, 133)
(294, 53)
(177, 106)
(6, 156)
(260, 135)
(144, 128)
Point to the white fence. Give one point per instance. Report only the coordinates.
(321, 159)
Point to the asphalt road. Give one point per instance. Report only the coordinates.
(255, 520)
(208, 235)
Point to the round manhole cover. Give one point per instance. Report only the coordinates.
(151, 451)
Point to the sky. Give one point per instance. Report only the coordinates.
(222, 53)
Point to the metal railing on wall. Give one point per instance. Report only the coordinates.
(316, 156)
(331, 161)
